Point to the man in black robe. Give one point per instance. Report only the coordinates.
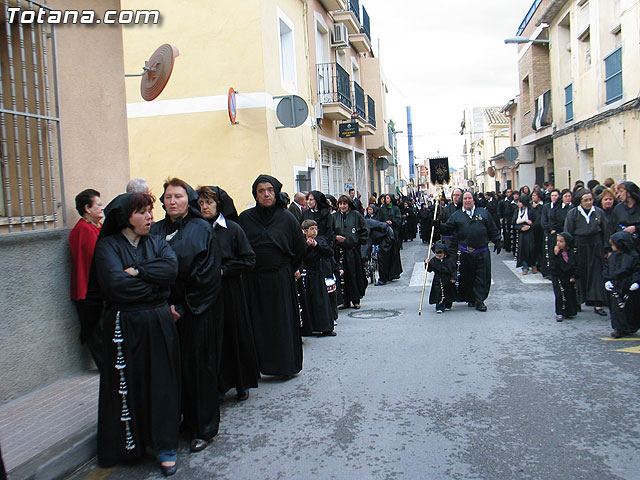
(279, 245)
(474, 228)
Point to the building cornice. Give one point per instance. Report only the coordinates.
(552, 10)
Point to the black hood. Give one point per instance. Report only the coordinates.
(192, 196)
(225, 204)
(439, 246)
(622, 240)
(321, 200)
(333, 200)
(633, 190)
(277, 187)
(568, 238)
(525, 200)
(116, 215)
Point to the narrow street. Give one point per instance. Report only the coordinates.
(464, 395)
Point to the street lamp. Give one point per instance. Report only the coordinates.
(526, 40)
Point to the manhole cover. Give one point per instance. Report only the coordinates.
(377, 313)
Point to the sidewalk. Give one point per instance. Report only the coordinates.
(50, 432)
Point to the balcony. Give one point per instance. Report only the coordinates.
(334, 92)
(362, 41)
(358, 100)
(350, 17)
(369, 122)
(330, 5)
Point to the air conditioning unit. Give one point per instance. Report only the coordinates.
(318, 110)
(340, 35)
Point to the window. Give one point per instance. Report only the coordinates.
(568, 102)
(28, 126)
(613, 75)
(287, 54)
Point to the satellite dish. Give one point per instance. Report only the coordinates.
(389, 180)
(382, 164)
(292, 111)
(156, 71)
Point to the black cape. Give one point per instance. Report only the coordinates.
(353, 227)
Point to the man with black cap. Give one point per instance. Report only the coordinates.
(279, 244)
(474, 228)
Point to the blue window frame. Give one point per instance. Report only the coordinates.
(613, 75)
(568, 102)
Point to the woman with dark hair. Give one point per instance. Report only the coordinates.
(84, 293)
(579, 185)
(390, 214)
(350, 233)
(525, 190)
(319, 211)
(566, 205)
(140, 381)
(194, 304)
(332, 202)
(524, 221)
(626, 215)
(404, 223)
(587, 224)
(238, 360)
(538, 234)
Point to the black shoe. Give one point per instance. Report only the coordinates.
(617, 334)
(170, 470)
(356, 307)
(242, 396)
(379, 283)
(198, 444)
(471, 304)
(481, 307)
(600, 312)
(329, 334)
(342, 307)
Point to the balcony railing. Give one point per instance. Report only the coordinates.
(371, 111)
(366, 24)
(358, 100)
(354, 6)
(333, 84)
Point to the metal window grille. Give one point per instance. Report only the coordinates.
(371, 110)
(358, 99)
(29, 124)
(568, 102)
(613, 75)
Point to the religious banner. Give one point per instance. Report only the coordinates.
(439, 170)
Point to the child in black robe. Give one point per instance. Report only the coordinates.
(622, 281)
(564, 272)
(317, 310)
(443, 284)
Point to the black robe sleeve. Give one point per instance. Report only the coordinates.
(154, 270)
(244, 258)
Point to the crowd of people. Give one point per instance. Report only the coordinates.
(585, 240)
(178, 312)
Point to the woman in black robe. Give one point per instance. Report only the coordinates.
(538, 233)
(140, 383)
(279, 244)
(194, 303)
(319, 211)
(587, 225)
(607, 202)
(425, 218)
(523, 222)
(238, 359)
(351, 232)
(390, 214)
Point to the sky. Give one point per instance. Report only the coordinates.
(440, 57)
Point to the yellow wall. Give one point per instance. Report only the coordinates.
(219, 48)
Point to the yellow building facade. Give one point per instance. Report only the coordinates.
(595, 77)
(255, 47)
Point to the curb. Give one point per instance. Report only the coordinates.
(61, 459)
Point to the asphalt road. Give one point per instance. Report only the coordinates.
(506, 394)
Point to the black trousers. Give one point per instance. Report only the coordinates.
(475, 276)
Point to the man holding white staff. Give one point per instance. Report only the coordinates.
(474, 228)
